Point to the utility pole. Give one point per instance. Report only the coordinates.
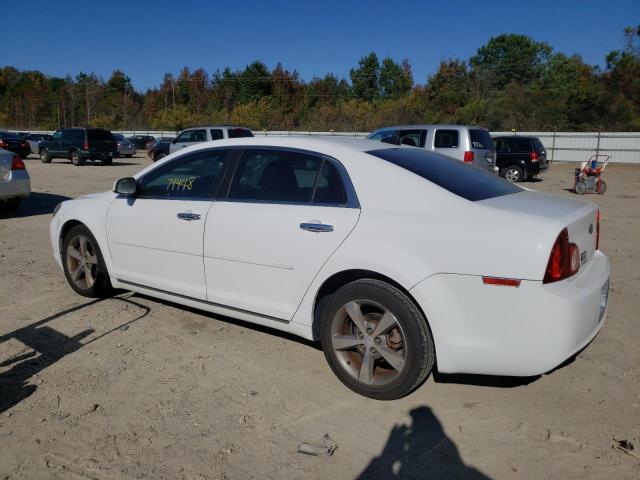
(86, 84)
(124, 108)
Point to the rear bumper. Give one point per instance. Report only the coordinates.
(17, 185)
(536, 168)
(126, 151)
(521, 331)
(97, 154)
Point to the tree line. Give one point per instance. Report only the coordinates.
(512, 82)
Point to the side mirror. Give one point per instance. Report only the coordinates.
(127, 187)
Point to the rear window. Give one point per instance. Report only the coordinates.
(463, 180)
(8, 135)
(99, 135)
(480, 139)
(239, 133)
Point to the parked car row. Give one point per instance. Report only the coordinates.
(516, 158)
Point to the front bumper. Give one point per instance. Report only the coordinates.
(522, 331)
(16, 185)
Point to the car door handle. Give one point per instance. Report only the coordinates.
(188, 216)
(316, 227)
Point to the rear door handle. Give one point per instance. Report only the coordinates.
(316, 227)
(188, 216)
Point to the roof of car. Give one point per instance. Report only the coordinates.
(514, 136)
(219, 126)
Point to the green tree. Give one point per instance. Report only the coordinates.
(365, 79)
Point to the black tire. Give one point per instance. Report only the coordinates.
(45, 156)
(581, 187)
(76, 159)
(601, 187)
(107, 161)
(101, 286)
(513, 173)
(417, 342)
(129, 156)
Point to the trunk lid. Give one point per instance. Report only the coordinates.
(555, 213)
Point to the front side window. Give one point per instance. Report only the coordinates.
(57, 135)
(386, 136)
(216, 134)
(191, 176)
(413, 138)
(446, 139)
(185, 136)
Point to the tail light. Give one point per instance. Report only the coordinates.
(468, 156)
(564, 260)
(598, 229)
(17, 163)
(3, 144)
(86, 145)
(534, 156)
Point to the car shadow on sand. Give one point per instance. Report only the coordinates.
(44, 346)
(38, 203)
(420, 449)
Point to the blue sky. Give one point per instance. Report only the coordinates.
(145, 39)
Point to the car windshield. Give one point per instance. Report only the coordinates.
(480, 138)
(461, 179)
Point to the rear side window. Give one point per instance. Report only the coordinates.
(537, 145)
(480, 139)
(275, 176)
(239, 133)
(463, 180)
(199, 136)
(329, 187)
(96, 135)
(216, 134)
(446, 139)
(78, 136)
(519, 145)
(413, 138)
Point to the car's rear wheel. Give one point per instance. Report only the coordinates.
(45, 156)
(76, 159)
(513, 173)
(83, 263)
(376, 340)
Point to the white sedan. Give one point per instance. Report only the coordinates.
(390, 256)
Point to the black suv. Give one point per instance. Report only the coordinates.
(520, 157)
(80, 145)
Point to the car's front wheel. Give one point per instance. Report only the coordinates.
(376, 340)
(83, 263)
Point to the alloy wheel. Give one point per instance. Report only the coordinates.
(82, 262)
(368, 342)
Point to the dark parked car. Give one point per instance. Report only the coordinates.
(80, 145)
(140, 140)
(160, 148)
(12, 142)
(34, 139)
(520, 158)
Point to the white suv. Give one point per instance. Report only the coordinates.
(191, 136)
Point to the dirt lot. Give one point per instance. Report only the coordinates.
(131, 387)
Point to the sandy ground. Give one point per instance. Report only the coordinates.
(131, 387)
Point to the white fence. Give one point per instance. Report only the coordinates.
(623, 147)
